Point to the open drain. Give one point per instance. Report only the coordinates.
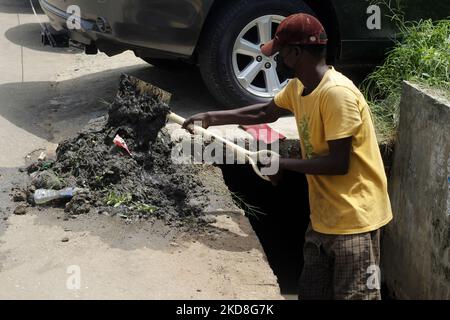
(281, 229)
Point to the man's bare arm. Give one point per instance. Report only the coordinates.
(254, 114)
(337, 162)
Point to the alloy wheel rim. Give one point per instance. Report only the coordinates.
(255, 72)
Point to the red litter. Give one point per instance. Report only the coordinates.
(263, 132)
(118, 141)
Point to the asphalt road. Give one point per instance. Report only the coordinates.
(47, 95)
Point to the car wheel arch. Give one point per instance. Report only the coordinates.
(219, 71)
(324, 10)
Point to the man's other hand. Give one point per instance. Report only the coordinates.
(203, 119)
(273, 161)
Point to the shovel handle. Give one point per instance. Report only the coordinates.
(179, 120)
(241, 151)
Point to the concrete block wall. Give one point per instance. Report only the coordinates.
(416, 245)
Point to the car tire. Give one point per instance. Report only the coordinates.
(216, 47)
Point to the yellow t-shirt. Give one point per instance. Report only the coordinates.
(357, 202)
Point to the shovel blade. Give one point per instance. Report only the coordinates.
(152, 90)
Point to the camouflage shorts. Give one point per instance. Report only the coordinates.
(341, 267)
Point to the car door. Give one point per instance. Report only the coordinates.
(426, 9)
(366, 27)
(365, 30)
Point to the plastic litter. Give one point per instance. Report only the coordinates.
(120, 142)
(42, 196)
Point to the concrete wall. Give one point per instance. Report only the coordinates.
(416, 245)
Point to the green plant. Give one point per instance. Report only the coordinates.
(142, 207)
(104, 102)
(46, 165)
(421, 55)
(116, 200)
(248, 208)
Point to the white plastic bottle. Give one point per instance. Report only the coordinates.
(42, 196)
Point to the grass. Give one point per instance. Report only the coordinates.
(246, 207)
(142, 207)
(116, 200)
(104, 102)
(422, 56)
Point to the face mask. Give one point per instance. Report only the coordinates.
(284, 72)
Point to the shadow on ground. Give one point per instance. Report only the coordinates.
(154, 234)
(28, 35)
(114, 231)
(56, 110)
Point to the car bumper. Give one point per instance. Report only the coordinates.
(58, 19)
(89, 34)
(128, 28)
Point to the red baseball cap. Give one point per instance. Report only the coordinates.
(297, 29)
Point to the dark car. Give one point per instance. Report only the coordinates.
(223, 37)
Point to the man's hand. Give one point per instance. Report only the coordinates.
(273, 161)
(277, 178)
(202, 118)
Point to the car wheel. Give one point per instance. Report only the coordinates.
(231, 63)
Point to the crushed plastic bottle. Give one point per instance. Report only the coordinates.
(42, 196)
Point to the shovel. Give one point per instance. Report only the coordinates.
(165, 97)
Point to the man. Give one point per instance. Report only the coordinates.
(340, 157)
